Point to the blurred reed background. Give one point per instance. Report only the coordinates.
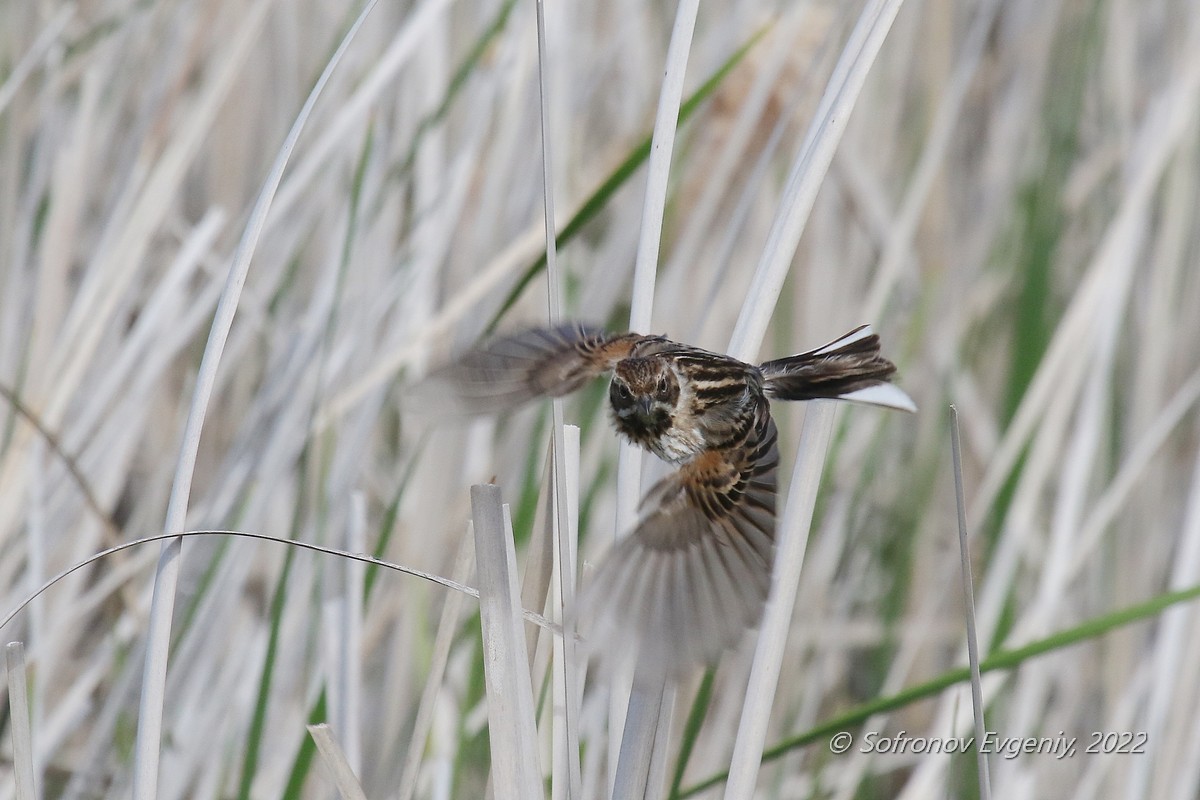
(1013, 206)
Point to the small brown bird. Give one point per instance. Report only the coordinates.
(695, 571)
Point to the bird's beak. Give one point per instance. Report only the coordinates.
(643, 407)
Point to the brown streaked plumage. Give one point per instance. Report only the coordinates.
(695, 571)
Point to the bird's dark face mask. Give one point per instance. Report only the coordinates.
(643, 395)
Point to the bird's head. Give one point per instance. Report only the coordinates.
(644, 393)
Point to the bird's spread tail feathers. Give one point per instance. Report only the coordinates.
(848, 368)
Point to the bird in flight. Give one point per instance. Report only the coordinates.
(695, 571)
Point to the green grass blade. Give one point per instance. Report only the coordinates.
(599, 198)
(459, 80)
(691, 729)
(1005, 659)
(304, 756)
(254, 735)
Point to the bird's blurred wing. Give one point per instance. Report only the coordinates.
(511, 370)
(694, 574)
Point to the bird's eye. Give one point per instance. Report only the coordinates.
(622, 391)
(663, 390)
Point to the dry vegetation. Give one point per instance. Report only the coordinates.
(1013, 205)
